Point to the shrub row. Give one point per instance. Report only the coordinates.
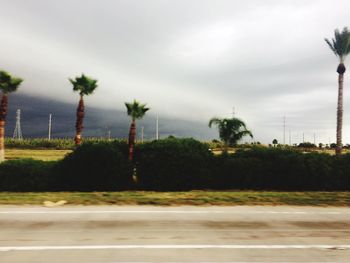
(177, 164)
(280, 169)
(98, 166)
(173, 164)
(26, 175)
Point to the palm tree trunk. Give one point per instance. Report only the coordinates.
(3, 114)
(79, 123)
(341, 70)
(132, 135)
(225, 151)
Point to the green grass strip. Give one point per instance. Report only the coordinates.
(202, 198)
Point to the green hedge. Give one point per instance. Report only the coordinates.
(26, 175)
(177, 164)
(95, 167)
(173, 164)
(277, 169)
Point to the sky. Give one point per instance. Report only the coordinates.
(187, 59)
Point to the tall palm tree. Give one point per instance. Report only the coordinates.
(230, 130)
(8, 84)
(85, 86)
(340, 45)
(135, 111)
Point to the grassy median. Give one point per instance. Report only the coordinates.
(203, 198)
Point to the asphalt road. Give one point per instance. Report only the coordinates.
(174, 234)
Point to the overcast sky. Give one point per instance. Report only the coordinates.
(187, 59)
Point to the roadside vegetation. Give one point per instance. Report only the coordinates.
(56, 149)
(173, 165)
(178, 165)
(224, 198)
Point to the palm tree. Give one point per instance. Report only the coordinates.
(135, 111)
(8, 84)
(340, 45)
(230, 130)
(85, 86)
(274, 142)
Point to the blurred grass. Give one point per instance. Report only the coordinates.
(181, 198)
(45, 155)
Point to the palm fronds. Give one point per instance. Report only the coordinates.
(136, 110)
(230, 130)
(84, 85)
(9, 83)
(340, 44)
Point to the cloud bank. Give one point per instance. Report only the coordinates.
(190, 60)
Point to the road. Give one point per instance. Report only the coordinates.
(174, 234)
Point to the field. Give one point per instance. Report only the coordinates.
(41, 154)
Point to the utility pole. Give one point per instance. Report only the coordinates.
(17, 133)
(303, 137)
(109, 135)
(290, 138)
(50, 121)
(157, 128)
(142, 133)
(315, 138)
(284, 129)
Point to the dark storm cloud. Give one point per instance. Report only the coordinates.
(187, 59)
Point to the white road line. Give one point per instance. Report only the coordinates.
(170, 212)
(97, 247)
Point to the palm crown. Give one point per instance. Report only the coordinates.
(8, 83)
(136, 110)
(84, 85)
(340, 44)
(230, 130)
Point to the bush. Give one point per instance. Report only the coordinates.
(173, 164)
(276, 169)
(99, 166)
(341, 172)
(215, 144)
(26, 175)
(178, 164)
(307, 145)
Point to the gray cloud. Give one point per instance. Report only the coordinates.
(187, 59)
